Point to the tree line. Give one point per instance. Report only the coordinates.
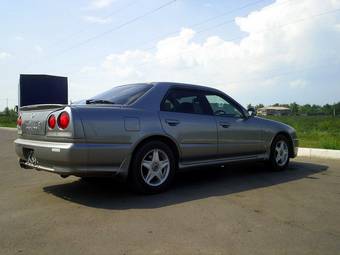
(308, 109)
(296, 109)
(11, 113)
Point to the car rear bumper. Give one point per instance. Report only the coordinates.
(80, 159)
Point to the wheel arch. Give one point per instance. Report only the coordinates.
(165, 139)
(290, 142)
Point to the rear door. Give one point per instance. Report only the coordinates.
(238, 135)
(185, 116)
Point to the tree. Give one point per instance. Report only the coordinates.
(6, 111)
(294, 107)
(249, 106)
(336, 109)
(306, 109)
(327, 109)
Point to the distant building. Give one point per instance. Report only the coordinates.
(274, 110)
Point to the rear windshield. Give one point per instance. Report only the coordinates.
(124, 95)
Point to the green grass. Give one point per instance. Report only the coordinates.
(8, 121)
(314, 131)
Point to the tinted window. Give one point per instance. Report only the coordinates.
(42, 89)
(184, 101)
(126, 94)
(221, 107)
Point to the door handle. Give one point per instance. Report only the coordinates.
(224, 124)
(172, 122)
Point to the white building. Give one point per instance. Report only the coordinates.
(273, 110)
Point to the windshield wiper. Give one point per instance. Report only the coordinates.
(99, 101)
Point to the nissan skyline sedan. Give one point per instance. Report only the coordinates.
(146, 132)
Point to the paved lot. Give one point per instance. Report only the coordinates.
(235, 210)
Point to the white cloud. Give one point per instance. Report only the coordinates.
(4, 55)
(19, 38)
(337, 27)
(38, 49)
(298, 84)
(87, 69)
(98, 4)
(97, 20)
(277, 42)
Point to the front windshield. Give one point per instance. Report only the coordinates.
(123, 95)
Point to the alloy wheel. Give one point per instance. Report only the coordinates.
(281, 153)
(155, 167)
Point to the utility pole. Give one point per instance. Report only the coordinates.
(7, 102)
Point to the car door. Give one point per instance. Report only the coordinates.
(186, 117)
(238, 134)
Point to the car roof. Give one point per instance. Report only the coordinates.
(184, 86)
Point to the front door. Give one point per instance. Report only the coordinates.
(238, 135)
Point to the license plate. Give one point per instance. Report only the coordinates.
(34, 122)
(31, 127)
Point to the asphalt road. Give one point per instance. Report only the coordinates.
(243, 209)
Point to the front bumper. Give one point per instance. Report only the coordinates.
(295, 147)
(79, 159)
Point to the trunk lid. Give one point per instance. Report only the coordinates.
(34, 118)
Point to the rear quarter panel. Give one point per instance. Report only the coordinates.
(113, 132)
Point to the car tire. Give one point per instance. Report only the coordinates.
(152, 168)
(279, 153)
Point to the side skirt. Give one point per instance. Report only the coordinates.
(221, 161)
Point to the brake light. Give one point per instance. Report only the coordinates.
(19, 121)
(52, 121)
(63, 120)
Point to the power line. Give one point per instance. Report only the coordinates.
(229, 12)
(279, 26)
(124, 24)
(207, 20)
(105, 17)
(284, 73)
(274, 75)
(258, 32)
(239, 37)
(210, 19)
(194, 24)
(211, 27)
(118, 26)
(168, 34)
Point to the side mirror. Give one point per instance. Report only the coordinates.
(16, 109)
(252, 111)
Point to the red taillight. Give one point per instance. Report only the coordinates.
(63, 120)
(51, 121)
(19, 121)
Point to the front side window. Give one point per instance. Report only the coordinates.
(183, 101)
(221, 107)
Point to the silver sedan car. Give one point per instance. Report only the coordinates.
(146, 132)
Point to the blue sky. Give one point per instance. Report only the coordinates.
(256, 51)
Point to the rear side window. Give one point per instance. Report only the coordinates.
(184, 101)
(124, 95)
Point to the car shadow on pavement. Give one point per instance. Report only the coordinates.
(188, 186)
